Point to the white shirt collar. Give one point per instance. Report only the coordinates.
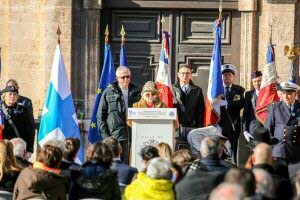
(227, 86)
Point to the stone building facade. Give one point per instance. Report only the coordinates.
(28, 38)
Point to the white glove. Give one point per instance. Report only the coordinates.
(223, 103)
(248, 136)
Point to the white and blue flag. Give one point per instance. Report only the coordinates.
(59, 120)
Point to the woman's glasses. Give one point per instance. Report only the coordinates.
(150, 94)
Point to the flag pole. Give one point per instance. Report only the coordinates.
(35, 145)
(106, 34)
(58, 32)
(122, 33)
(220, 10)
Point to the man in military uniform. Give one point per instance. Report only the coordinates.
(283, 122)
(250, 122)
(112, 111)
(234, 95)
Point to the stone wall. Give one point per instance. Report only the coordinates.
(283, 17)
(28, 39)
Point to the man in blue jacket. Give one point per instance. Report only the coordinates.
(283, 122)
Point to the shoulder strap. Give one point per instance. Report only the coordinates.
(11, 123)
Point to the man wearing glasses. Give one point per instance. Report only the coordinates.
(111, 116)
(189, 101)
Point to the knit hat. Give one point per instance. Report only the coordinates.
(150, 86)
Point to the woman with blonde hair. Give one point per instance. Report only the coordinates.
(9, 170)
(164, 150)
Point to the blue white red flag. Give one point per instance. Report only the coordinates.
(59, 120)
(108, 75)
(163, 78)
(215, 82)
(268, 91)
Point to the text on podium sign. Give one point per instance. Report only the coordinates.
(152, 113)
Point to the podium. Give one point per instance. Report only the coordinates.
(150, 126)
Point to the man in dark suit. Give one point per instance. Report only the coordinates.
(283, 122)
(234, 95)
(189, 101)
(250, 122)
(125, 172)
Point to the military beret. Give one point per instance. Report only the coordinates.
(256, 74)
(288, 86)
(10, 89)
(228, 68)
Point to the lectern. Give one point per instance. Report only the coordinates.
(150, 126)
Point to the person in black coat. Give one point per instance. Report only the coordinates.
(189, 99)
(197, 182)
(250, 122)
(234, 95)
(96, 180)
(112, 110)
(211, 151)
(125, 172)
(16, 118)
(262, 159)
(24, 101)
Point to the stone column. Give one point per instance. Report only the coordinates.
(248, 62)
(86, 63)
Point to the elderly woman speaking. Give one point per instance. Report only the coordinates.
(150, 98)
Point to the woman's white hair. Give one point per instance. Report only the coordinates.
(19, 147)
(159, 168)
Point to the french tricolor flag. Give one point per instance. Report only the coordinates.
(268, 92)
(215, 82)
(163, 78)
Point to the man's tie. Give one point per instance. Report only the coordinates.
(227, 88)
(291, 109)
(185, 88)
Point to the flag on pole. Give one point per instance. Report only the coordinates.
(215, 82)
(163, 78)
(108, 75)
(268, 91)
(59, 120)
(123, 59)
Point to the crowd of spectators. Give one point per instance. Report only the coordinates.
(166, 175)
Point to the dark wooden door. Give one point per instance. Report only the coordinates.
(191, 39)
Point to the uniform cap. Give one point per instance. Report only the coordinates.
(288, 86)
(228, 68)
(10, 89)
